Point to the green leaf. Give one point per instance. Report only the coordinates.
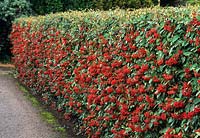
(197, 93)
(186, 128)
(198, 17)
(175, 38)
(171, 120)
(172, 49)
(160, 54)
(164, 130)
(187, 53)
(194, 66)
(177, 99)
(151, 125)
(187, 108)
(196, 101)
(177, 130)
(183, 59)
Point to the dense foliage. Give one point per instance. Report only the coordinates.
(48, 6)
(193, 2)
(124, 74)
(9, 10)
(105, 5)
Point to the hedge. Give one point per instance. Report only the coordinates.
(122, 73)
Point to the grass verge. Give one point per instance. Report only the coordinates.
(46, 116)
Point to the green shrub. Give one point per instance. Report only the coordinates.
(42, 7)
(110, 4)
(124, 74)
(77, 4)
(193, 2)
(48, 6)
(9, 10)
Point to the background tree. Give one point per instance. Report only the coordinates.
(9, 10)
(48, 6)
(42, 7)
(164, 3)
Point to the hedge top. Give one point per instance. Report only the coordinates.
(124, 15)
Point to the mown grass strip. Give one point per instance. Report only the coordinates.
(46, 116)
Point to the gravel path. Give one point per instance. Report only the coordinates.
(18, 118)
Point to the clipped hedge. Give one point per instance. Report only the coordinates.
(124, 74)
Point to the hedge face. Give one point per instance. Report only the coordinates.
(122, 75)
